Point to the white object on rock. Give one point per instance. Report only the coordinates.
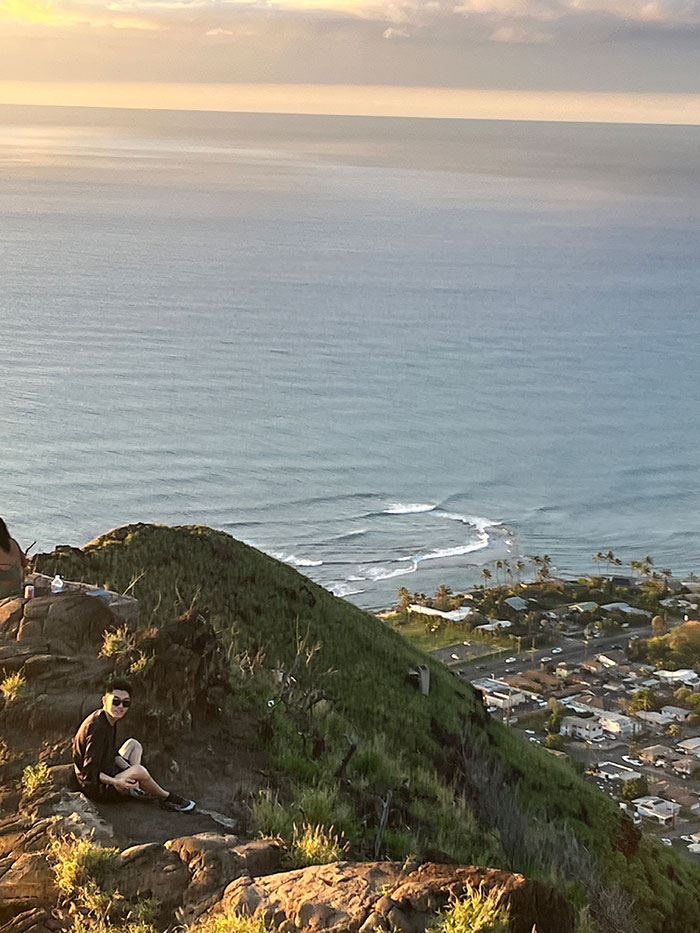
(56, 584)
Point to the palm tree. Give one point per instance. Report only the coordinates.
(545, 564)
(441, 599)
(404, 598)
(519, 567)
(499, 566)
(599, 558)
(486, 574)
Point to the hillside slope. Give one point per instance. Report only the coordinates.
(350, 741)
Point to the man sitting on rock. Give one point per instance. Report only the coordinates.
(106, 773)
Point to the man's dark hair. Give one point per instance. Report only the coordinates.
(119, 683)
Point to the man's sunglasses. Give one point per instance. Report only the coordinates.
(117, 701)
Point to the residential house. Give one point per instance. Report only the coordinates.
(455, 615)
(654, 719)
(690, 746)
(517, 603)
(498, 694)
(611, 771)
(686, 766)
(678, 713)
(612, 658)
(681, 678)
(677, 793)
(585, 730)
(656, 808)
(653, 753)
(619, 724)
(494, 626)
(626, 608)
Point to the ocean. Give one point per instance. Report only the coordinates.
(388, 351)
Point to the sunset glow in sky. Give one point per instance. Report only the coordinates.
(624, 60)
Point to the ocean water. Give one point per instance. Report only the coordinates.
(390, 352)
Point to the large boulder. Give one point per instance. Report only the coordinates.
(151, 870)
(34, 920)
(213, 860)
(381, 896)
(27, 882)
(11, 611)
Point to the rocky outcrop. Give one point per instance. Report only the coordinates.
(381, 896)
(213, 860)
(193, 864)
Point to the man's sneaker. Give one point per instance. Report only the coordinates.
(175, 802)
(140, 794)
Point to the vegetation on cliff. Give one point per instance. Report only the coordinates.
(355, 749)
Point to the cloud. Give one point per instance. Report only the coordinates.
(566, 44)
(519, 33)
(45, 13)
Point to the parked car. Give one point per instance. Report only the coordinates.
(667, 842)
(545, 660)
(511, 660)
(557, 650)
(529, 731)
(632, 761)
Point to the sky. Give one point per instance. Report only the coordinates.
(621, 53)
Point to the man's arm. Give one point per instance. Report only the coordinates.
(119, 782)
(96, 750)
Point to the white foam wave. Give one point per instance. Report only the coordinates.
(475, 520)
(385, 573)
(447, 552)
(410, 508)
(351, 534)
(294, 560)
(343, 589)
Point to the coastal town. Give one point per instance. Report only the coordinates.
(602, 672)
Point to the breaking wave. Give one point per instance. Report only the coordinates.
(296, 561)
(411, 508)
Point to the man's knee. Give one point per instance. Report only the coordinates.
(138, 772)
(129, 747)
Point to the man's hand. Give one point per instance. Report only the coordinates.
(125, 783)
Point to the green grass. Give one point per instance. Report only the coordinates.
(119, 643)
(77, 862)
(14, 686)
(476, 912)
(34, 776)
(460, 782)
(234, 923)
(418, 632)
(314, 845)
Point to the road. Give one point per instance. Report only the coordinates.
(573, 650)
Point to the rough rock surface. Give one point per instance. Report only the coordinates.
(357, 898)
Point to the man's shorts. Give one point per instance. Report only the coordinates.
(104, 793)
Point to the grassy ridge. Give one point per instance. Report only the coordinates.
(460, 782)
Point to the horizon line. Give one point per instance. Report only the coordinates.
(633, 107)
